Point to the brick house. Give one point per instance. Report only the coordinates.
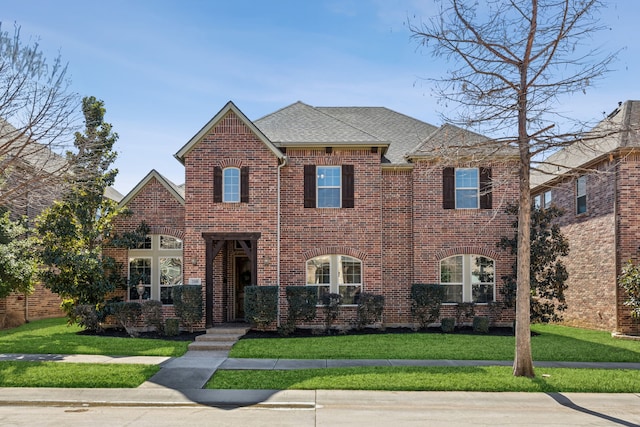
(598, 187)
(350, 199)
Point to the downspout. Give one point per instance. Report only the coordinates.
(280, 166)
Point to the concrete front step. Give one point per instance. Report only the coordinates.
(211, 345)
(218, 338)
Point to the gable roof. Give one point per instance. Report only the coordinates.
(620, 129)
(176, 191)
(451, 141)
(300, 124)
(230, 106)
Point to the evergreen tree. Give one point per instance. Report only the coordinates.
(17, 262)
(548, 273)
(72, 231)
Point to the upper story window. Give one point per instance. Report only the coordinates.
(157, 263)
(466, 188)
(581, 194)
(328, 186)
(543, 200)
(468, 278)
(231, 185)
(337, 274)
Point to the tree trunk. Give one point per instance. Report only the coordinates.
(523, 361)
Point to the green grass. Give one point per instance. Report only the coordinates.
(554, 343)
(73, 375)
(496, 379)
(54, 336)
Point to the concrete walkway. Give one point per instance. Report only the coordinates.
(189, 373)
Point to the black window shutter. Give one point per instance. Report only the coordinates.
(485, 189)
(244, 184)
(347, 186)
(448, 188)
(309, 186)
(217, 184)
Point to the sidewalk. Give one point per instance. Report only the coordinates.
(180, 381)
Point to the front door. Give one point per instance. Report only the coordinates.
(242, 278)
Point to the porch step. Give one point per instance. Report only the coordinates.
(219, 338)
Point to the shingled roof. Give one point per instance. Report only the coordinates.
(300, 124)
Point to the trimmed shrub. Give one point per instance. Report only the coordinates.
(426, 300)
(260, 305)
(87, 316)
(481, 324)
(126, 315)
(152, 314)
(370, 309)
(448, 325)
(172, 327)
(464, 310)
(302, 301)
(331, 303)
(187, 303)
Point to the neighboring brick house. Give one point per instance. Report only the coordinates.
(597, 184)
(350, 199)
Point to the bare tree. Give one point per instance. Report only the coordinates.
(512, 62)
(38, 114)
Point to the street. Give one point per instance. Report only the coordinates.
(354, 408)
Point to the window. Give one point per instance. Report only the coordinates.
(158, 264)
(547, 199)
(543, 200)
(338, 274)
(231, 185)
(328, 186)
(468, 278)
(581, 194)
(466, 188)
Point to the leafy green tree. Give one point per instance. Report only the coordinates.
(629, 280)
(548, 273)
(17, 263)
(72, 231)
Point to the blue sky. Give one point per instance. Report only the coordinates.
(164, 68)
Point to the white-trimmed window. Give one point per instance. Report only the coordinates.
(329, 186)
(543, 200)
(547, 199)
(157, 262)
(581, 194)
(231, 185)
(337, 274)
(467, 188)
(468, 278)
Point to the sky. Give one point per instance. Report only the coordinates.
(164, 68)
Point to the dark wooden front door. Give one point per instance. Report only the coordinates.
(242, 278)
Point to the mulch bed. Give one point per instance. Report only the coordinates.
(121, 333)
(302, 333)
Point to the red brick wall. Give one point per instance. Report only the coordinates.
(397, 250)
(230, 143)
(156, 206)
(628, 199)
(310, 232)
(41, 304)
(591, 264)
(439, 233)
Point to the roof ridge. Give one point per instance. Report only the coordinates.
(375, 138)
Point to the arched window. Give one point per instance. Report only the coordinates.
(468, 278)
(157, 263)
(231, 185)
(338, 274)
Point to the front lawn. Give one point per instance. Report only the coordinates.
(74, 375)
(550, 343)
(54, 336)
(486, 379)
